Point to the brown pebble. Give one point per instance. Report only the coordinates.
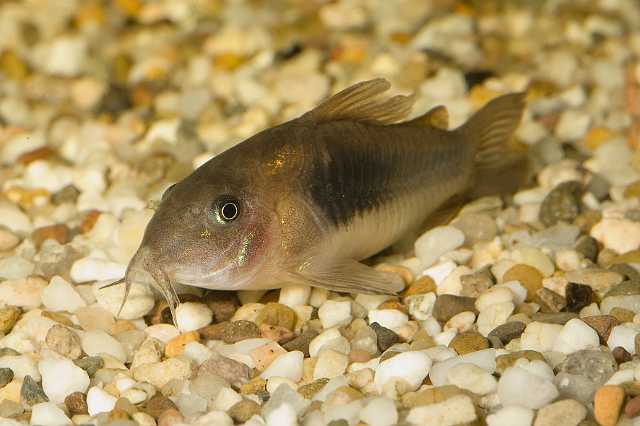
(607, 403)
(447, 305)
(89, 221)
(602, 324)
(255, 386)
(620, 354)
(59, 232)
(393, 304)
(468, 342)
(386, 337)
(230, 332)
(549, 301)
(422, 340)
(528, 276)
(242, 411)
(234, 372)
(632, 408)
(223, 304)
(420, 286)
(157, 405)
(301, 343)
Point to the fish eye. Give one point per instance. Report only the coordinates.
(226, 209)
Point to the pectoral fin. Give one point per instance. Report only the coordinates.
(349, 276)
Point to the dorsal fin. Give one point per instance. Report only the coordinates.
(436, 117)
(362, 102)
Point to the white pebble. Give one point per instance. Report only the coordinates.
(619, 235)
(294, 295)
(60, 295)
(379, 412)
(94, 269)
(192, 316)
(518, 290)
(534, 257)
(15, 267)
(472, 378)
(24, 293)
(539, 336)
(226, 399)
(96, 342)
(574, 336)
(540, 391)
(493, 296)
(389, 318)
(623, 335)
(572, 125)
(13, 218)
(440, 271)
(461, 322)
(436, 242)
(61, 377)
(99, 401)
(283, 415)
(410, 367)
(421, 305)
(335, 313)
(456, 410)
(21, 365)
(323, 339)
(494, 315)
(330, 364)
(485, 359)
(48, 414)
(452, 284)
(511, 416)
(287, 365)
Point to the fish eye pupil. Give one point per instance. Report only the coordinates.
(229, 211)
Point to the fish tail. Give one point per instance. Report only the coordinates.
(500, 164)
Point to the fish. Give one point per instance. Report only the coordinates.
(306, 201)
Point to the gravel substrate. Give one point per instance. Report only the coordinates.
(521, 311)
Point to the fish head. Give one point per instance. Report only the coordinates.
(214, 229)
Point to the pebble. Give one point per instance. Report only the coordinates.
(562, 204)
(574, 336)
(234, 372)
(540, 391)
(140, 300)
(295, 295)
(527, 276)
(494, 316)
(468, 342)
(599, 280)
(549, 301)
(64, 341)
(389, 318)
(379, 412)
(31, 392)
(409, 367)
(289, 365)
(59, 295)
(539, 336)
(48, 414)
(385, 337)
(607, 404)
(453, 411)
(223, 304)
(567, 412)
(90, 364)
(8, 240)
(302, 342)
(242, 411)
(161, 373)
(22, 293)
(6, 376)
(330, 364)
(335, 313)
(511, 416)
(623, 335)
(436, 242)
(472, 378)
(578, 296)
(191, 316)
(61, 377)
(76, 403)
(8, 317)
(98, 342)
(231, 332)
(446, 306)
(508, 331)
(277, 314)
(619, 235)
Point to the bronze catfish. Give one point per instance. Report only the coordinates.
(304, 202)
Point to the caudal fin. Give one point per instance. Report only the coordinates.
(500, 166)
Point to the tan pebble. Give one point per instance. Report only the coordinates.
(308, 391)
(64, 341)
(170, 417)
(468, 342)
(361, 378)
(549, 301)
(508, 360)
(277, 314)
(430, 396)
(8, 240)
(116, 414)
(420, 286)
(8, 317)
(264, 355)
(359, 355)
(242, 411)
(121, 326)
(176, 345)
(276, 333)
(622, 315)
(607, 403)
(528, 276)
(308, 365)
(422, 340)
(255, 386)
(343, 395)
(404, 273)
